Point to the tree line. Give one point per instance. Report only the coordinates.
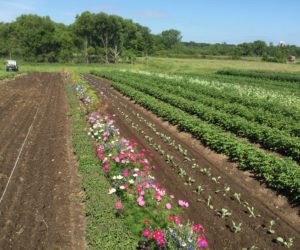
(99, 37)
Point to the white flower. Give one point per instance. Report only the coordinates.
(114, 177)
(136, 169)
(122, 187)
(119, 177)
(131, 181)
(135, 175)
(112, 190)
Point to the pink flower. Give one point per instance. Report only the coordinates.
(106, 168)
(183, 203)
(197, 227)
(100, 155)
(162, 192)
(118, 205)
(177, 220)
(146, 233)
(126, 173)
(140, 155)
(160, 240)
(172, 196)
(141, 203)
(168, 206)
(201, 242)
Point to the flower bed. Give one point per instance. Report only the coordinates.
(143, 204)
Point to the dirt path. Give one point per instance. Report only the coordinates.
(134, 122)
(41, 208)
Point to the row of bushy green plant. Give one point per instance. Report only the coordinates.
(263, 75)
(278, 173)
(268, 137)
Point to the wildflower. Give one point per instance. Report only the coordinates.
(183, 203)
(126, 173)
(122, 187)
(106, 168)
(131, 181)
(177, 220)
(201, 242)
(118, 205)
(158, 233)
(197, 227)
(161, 240)
(140, 201)
(182, 244)
(146, 233)
(112, 190)
(168, 206)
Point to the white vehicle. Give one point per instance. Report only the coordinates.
(11, 65)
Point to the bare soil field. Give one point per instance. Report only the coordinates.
(131, 119)
(41, 207)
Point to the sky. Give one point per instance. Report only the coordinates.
(212, 21)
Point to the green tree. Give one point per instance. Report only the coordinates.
(170, 38)
(36, 36)
(84, 28)
(259, 48)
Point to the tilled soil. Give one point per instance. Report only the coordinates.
(41, 208)
(139, 124)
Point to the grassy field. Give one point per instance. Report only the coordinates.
(169, 65)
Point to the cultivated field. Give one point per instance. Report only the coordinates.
(157, 144)
(233, 119)
(39, 186)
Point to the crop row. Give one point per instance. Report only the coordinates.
(263, 75)
(274, 102)
(269, 138)
(260, 116)
(227, 92)
(282, 86)
(279, 173)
